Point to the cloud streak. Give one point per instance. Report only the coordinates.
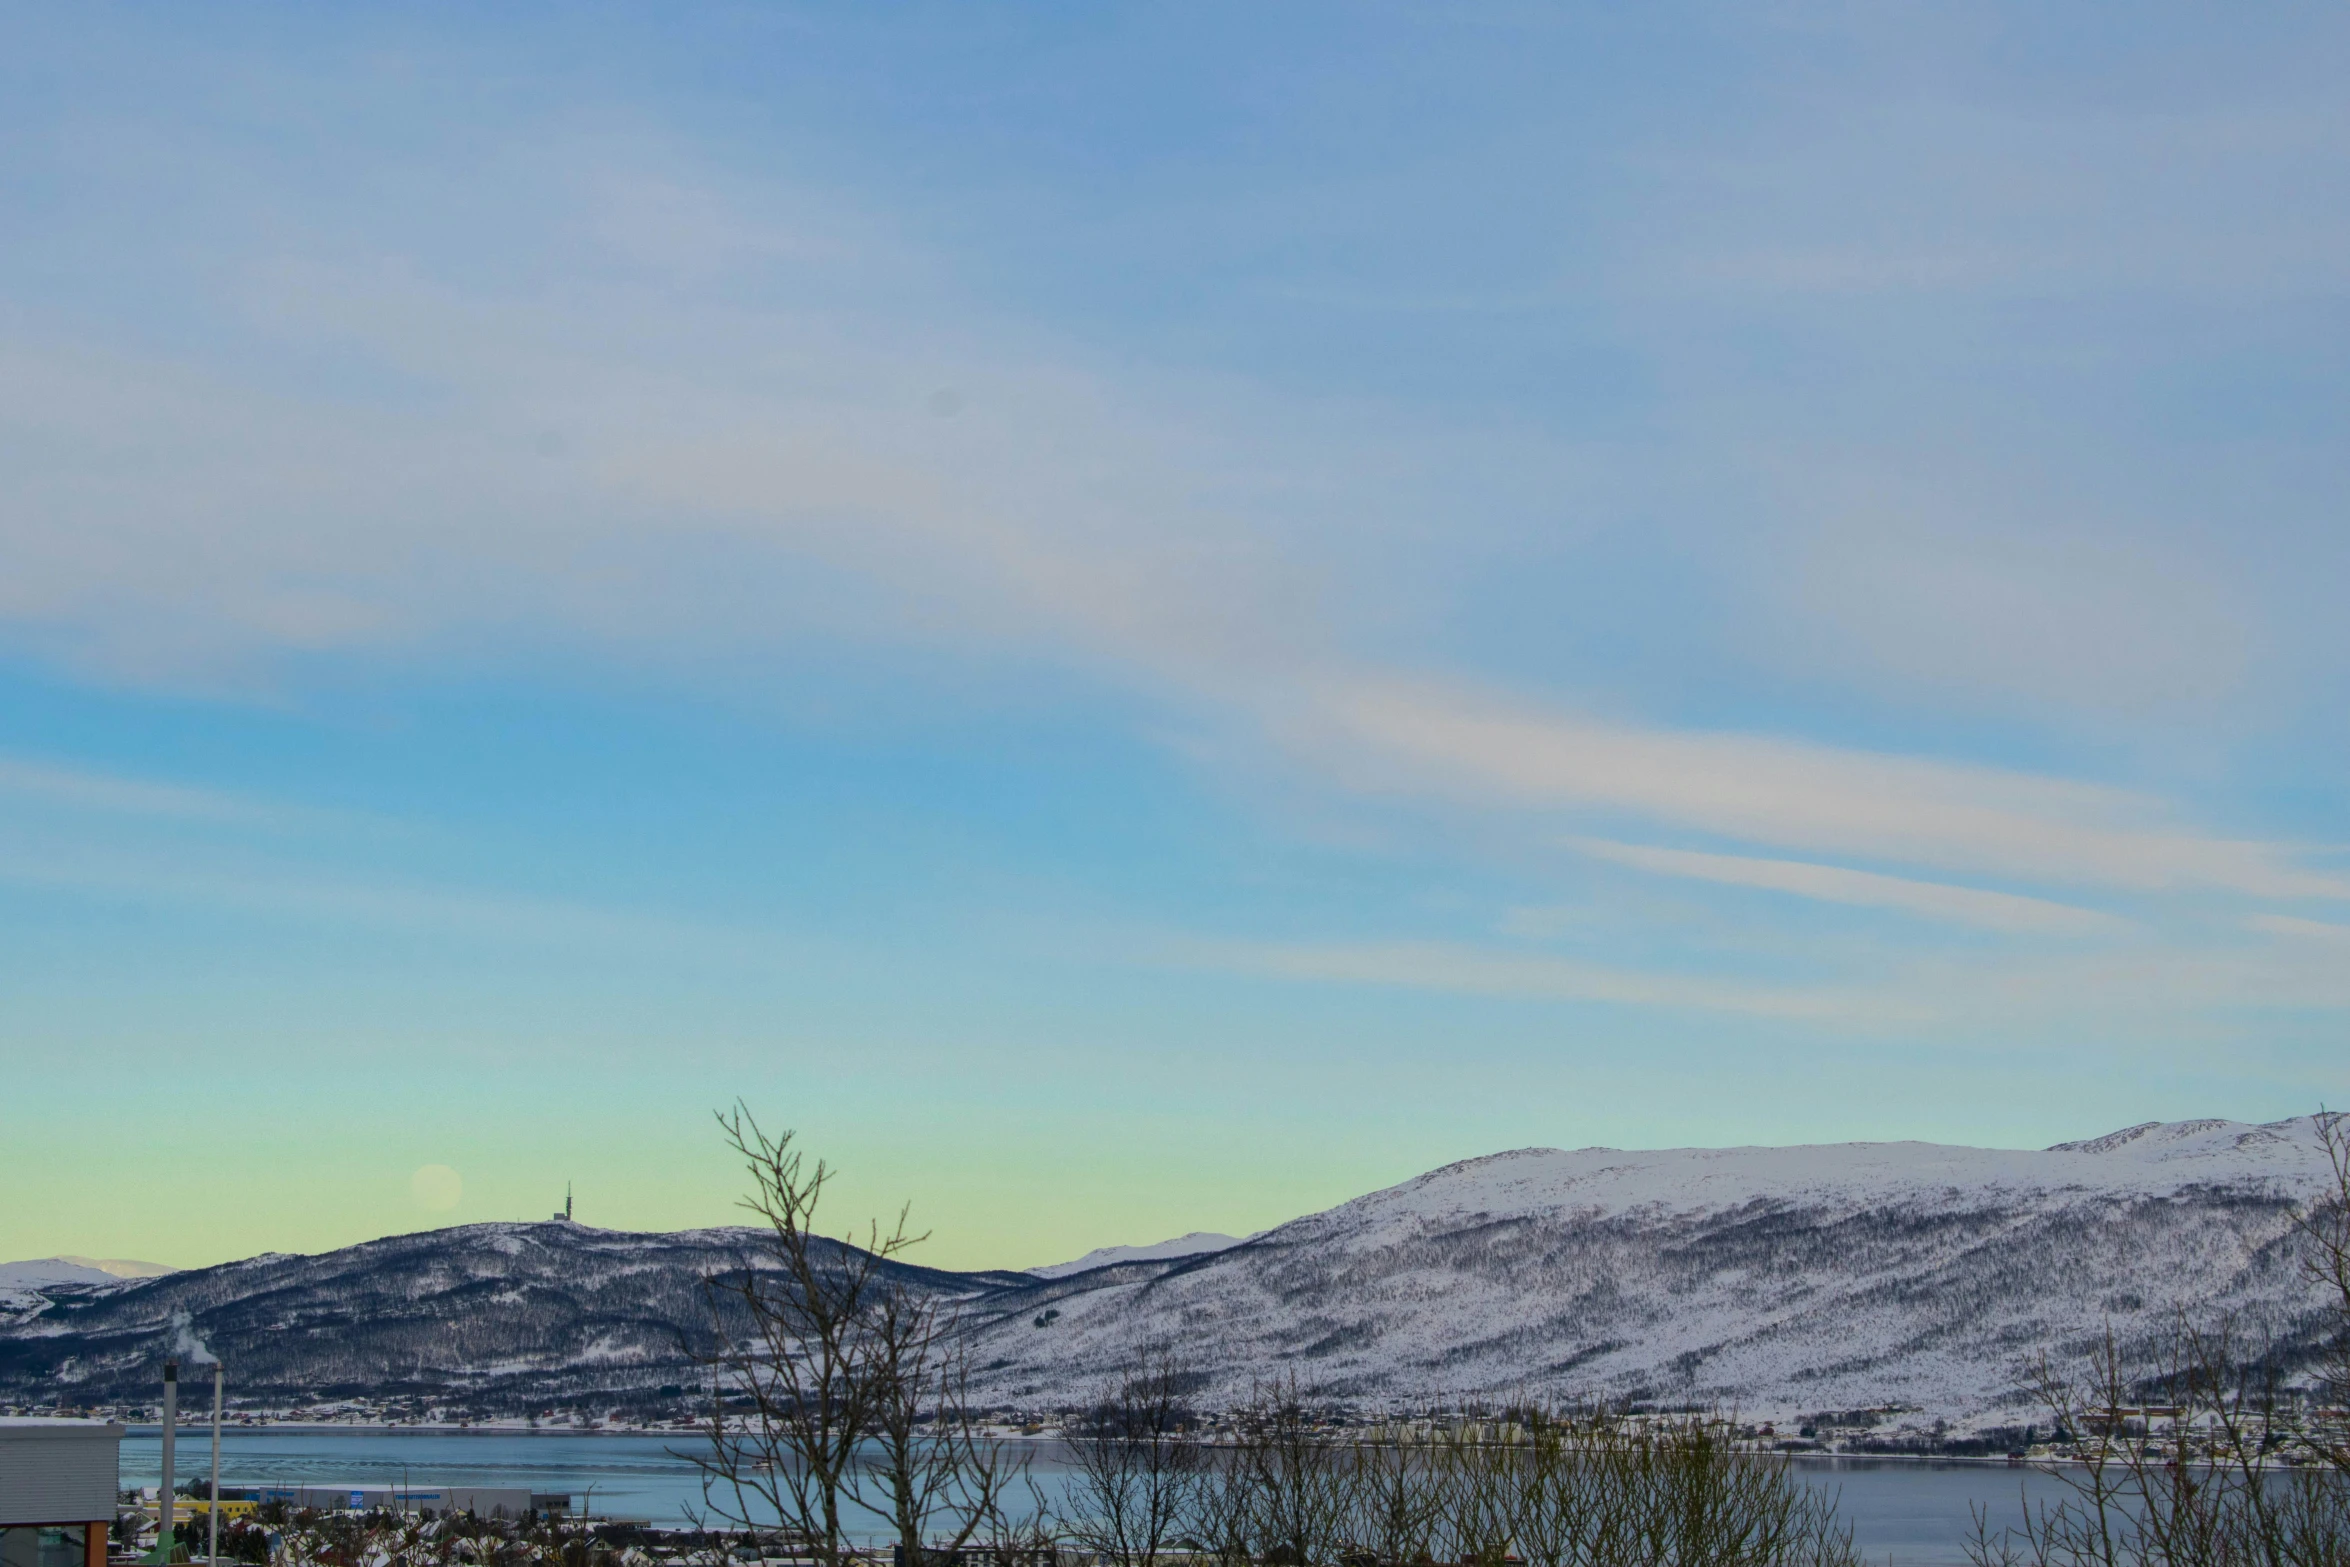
(2163, 987)
(86, 790)
(1466, 745)
(2302, 929)
(2001, 911)
(243, 885)
(1534, 976)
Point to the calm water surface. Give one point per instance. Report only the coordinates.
(1910, 1513)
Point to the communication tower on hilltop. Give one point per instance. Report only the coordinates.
(565, 1215)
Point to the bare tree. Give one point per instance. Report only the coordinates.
(1394, 1499)
(934, 1473)
(2182, 1483)
(1223, 1522)
(1139, 1467)
(2325, 1229)
(1577, 1504)
(1478, 1470)
(1285, 1463)
(796, 1342)
(2176, 1457)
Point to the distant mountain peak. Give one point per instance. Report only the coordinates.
(121, 1267)
(1197, 1243)
(2121, 1139)
(38, 1271)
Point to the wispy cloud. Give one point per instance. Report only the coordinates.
(2301, 929)
(95, 791)
(2165, 987)
(2168, 986)
(2002, 911)
(1484, 971)
(247, 886)
(1398, 735)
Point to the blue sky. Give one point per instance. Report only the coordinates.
(1146, 618)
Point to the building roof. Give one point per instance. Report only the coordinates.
(55, 1425)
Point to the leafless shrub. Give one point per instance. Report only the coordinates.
(1544, 1487)
(1278, 1493)
(1396, 1502)
(1478, 1474)
(1139, 1466)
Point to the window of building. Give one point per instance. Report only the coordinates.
(55, 1546)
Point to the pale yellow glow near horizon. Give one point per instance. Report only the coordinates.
(1021, 1203)
(436, 1188)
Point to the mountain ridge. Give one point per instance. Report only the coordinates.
(1195, 1244)
(1777, 1280)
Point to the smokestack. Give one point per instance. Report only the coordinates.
(212, 1549)
(171, 1415)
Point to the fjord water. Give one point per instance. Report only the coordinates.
(1914, 1513)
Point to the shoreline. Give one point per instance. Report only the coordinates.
(363, 1428)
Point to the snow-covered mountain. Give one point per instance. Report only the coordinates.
(37, 1271)
(22, 1283)
(496, 1316)
(1198, 1243)
(1777, 1280)
(1780, 1280)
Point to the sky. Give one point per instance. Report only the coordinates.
(1147, 618)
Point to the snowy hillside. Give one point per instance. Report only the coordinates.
(1197, 1243)
(494, 1316)
(1780, 1280)
(24, 1285)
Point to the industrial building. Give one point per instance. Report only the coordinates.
(57, 1490)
